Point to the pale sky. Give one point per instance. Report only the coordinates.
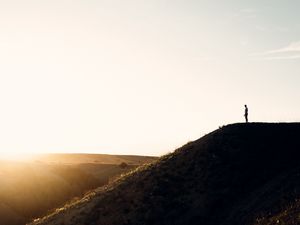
(142, 76)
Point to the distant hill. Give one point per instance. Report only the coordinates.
(32, 189)
(76, 158)
(240, 174)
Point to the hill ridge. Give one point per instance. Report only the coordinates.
(207, 181)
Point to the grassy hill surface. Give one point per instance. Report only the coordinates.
(33, 188)
(239, 174)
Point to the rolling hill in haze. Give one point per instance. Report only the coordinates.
(29, 189)
(77, 158)
(240, 174)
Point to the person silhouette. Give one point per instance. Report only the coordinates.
(246, 113)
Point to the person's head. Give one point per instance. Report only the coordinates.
(245, 106)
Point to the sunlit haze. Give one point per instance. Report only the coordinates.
(142, 77)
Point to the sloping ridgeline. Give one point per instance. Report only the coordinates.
(232, 176)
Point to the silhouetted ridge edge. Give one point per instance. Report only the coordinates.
(214, 180)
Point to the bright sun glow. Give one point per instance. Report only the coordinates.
(15, 156)
(107, 77)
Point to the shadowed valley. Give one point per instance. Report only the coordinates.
(30, 189)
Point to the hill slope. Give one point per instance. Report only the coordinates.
(232, 176)
(29, 189)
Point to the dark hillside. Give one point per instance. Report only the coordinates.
(232, 176)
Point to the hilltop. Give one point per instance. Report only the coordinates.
(239, 174)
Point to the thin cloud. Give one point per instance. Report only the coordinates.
(282, 57)
(292, 47)
(287, 52)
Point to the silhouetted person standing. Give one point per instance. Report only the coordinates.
(246, 113)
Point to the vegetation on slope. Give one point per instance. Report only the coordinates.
(235, 175)
(31, 189)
